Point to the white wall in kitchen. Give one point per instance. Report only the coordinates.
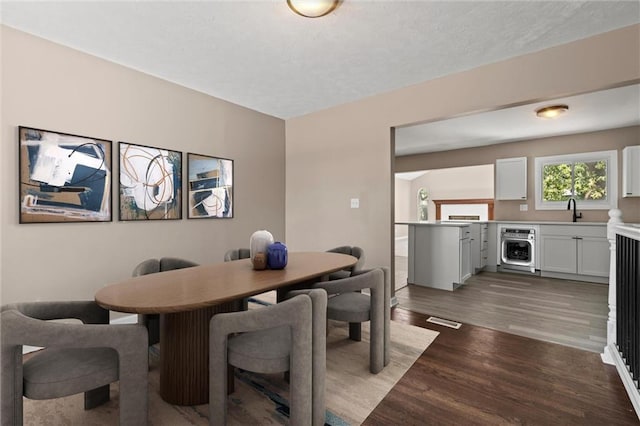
(403, 205)
(456, 183)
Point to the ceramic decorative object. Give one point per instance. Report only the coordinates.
(423, 204)
(258, 243)
(259, 261)
(277, 255)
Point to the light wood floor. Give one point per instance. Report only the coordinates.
(569, 313)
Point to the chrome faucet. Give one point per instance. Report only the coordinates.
(576, 216)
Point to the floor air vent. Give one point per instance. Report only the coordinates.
(444, 322)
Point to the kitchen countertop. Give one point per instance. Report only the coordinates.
(515, 222)
(436, 223)
(550, 222)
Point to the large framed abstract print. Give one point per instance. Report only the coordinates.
(210, 187)
(63, 177)
(150, 183)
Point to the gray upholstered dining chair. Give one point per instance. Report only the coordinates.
(347, 303)
(237, 254)
(171, 263)
(354, 251)
(152, 266)
(149, 266)
(288, 336)
(76, 358)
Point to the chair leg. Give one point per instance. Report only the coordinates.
(153, 327)
(231, 376)
(355, 331)
(96, 397)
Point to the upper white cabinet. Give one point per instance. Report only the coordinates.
(631, 171)
(511, 178)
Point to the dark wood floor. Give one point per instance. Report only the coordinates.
(480, 376)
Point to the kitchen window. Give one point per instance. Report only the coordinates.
(590, 178)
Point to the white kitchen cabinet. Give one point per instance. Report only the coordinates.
(511, 179)
(593, 256)
(466, 268)
(574, 252)
(492, 247)
(439, 255)
(559, 254)
(479, 246)
(631, 171)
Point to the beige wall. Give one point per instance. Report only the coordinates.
(402, 205)
(48, 86)
(344, 152)
(510, 210)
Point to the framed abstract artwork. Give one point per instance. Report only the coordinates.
(210, 187)
(63, 177)
(150, 183)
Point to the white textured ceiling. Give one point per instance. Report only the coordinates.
(589, 112)
(260, 55)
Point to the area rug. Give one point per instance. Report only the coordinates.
(352, 392)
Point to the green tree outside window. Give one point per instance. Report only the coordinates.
(580, 180)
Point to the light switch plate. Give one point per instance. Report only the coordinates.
(355, 203)
(524, 207)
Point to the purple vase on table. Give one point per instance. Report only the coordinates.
(276, 255)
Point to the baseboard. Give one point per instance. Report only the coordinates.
(626, 378)
(606, 356)
(575, 277)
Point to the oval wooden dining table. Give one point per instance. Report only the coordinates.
(186, 299)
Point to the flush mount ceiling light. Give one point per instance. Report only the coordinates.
(312, 8)
(552, 111)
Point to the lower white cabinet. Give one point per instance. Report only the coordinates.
(479, 246)
(439, 255)
(593, 256)
(574, 252)
(559, 253)
(492, 247)
(466, 269)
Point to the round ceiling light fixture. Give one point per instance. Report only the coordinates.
(552, 111)
(312, 8)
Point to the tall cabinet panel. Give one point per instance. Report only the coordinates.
(631, 171)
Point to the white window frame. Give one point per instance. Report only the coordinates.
(611, 157)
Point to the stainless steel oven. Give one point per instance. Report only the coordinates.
(518, 249)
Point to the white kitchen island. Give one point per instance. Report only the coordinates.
(439, 253)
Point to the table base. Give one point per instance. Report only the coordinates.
(184, 354)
